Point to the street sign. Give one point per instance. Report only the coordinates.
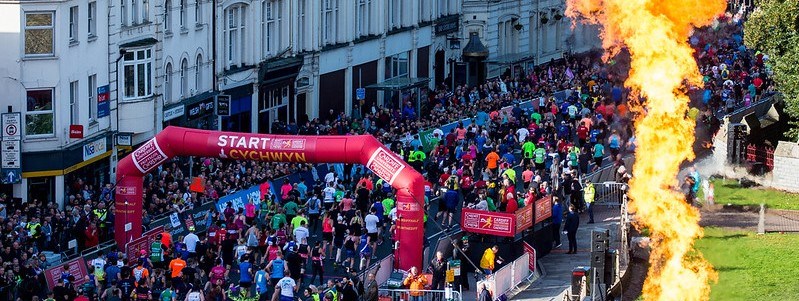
(360, 93)
(11, 126)
(223, 105)
(11, 154)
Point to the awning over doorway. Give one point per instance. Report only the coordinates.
(402, 83)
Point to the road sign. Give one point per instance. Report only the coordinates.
(11, 154)
(360, 93)
(11, 126)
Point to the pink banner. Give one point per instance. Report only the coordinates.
(543, 209)
(77, 268)
(524, 218)
(487, 222)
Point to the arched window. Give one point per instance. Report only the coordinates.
(168, 83)
(198, 75)
(184, 78)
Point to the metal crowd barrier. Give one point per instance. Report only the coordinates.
(418, 295)
(610, 193)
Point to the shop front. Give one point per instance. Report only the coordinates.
(240, 119)
(277, 105)
(198, 112)
(52, 176)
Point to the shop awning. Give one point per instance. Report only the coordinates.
(402, 83)
(511, 59)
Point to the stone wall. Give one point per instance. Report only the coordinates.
(786, 164)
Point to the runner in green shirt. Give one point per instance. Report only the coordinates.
(297, 220)
(527, 151)
(278, 219)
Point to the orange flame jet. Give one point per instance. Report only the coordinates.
(655, 32)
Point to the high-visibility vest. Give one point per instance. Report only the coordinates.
(589, 192)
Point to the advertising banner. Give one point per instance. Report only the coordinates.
(240, 198)
(524, 218)
(487, 222)
(77, 268)
(531, 252)
(142, 243)
(543, 209)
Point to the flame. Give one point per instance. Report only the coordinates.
(655, 32)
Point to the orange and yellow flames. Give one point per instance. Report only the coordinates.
(655, 32)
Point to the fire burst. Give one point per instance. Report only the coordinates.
(655, 32)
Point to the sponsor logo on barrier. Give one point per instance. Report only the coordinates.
(530, 251)
(76, 267)
(486, 222)
(524, 218)
(148, 156)
(543, 209)
(133, 247)
(385, 165)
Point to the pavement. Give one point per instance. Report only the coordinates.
(557, 265)
(781, 220)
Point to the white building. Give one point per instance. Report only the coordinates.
(289, 60)
(53, 59)
(160, 58)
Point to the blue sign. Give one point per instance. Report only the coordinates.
(103, 101)
(360, 93)
(240, 198)
(11, 175)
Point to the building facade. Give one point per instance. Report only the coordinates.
(53, 72)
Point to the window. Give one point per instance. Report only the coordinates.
(92, 83)
(39, 113)
(271, 19)
(134, 12)
(39, 33)
(73, 24)
(443, 7)
(198, 14)
(397, 65)
(138, 72)
(198, 74)
(234, 34)
(395, 14)
(424, 10)
(301, 25)
(507, 41)
(184, 78)
(183, 14)
(74, 106)
(168, 83)
(167, 16)
(91, 19)
(123, 9)
(329, 21)
(145, 10)
(364, 13)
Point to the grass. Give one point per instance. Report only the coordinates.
(730, 192)
(750, 266)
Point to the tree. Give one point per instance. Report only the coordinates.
(773, 28)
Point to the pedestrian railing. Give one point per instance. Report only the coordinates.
(507, 278)
(447, 294)
(610, 193)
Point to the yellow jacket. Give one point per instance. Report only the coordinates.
(487, 262)
(415, 284)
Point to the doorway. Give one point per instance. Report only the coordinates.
(440, 64)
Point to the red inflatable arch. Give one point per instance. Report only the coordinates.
(363, 149)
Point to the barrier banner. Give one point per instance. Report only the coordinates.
(487, 222)
(531, 252)
(543, 209)
(240, 198)
(197, 214)
(524, 218)
(77, 268)
(142, 243)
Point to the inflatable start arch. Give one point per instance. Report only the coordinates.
(363, 149)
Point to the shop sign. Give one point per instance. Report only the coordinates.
(103, 101)
(75, 131)
(175, 112)
(200, 109)
(447, 25)
(223, 105)
(94, 149)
